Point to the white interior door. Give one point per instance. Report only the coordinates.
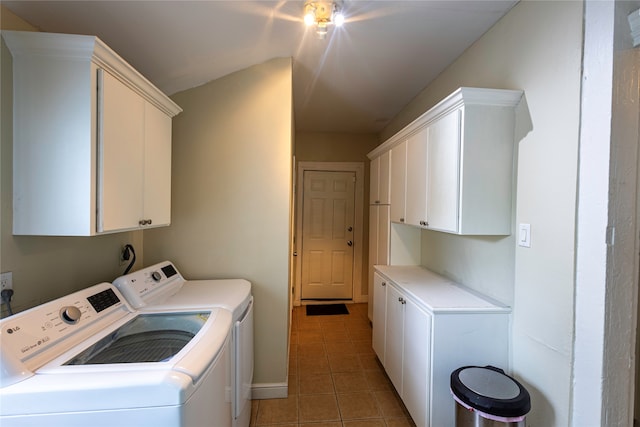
(327, 235)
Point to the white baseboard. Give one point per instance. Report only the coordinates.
(269, 391)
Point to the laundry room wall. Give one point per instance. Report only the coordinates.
(342, 147)
(231, 187)
(45, 268)
(538, 281)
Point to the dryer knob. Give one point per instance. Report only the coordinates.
(70, 314)
(156, 276)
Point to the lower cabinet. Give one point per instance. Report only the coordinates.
(425, 327)
(378, 244)
(379, 315)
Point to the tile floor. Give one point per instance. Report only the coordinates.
(335, 379)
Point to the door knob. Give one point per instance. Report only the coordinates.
(349, 228)
(349, 243)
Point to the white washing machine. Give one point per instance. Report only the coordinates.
(161, 286)
(90, 359)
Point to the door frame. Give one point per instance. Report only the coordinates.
(358, 224)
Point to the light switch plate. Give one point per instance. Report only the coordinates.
(524, 235)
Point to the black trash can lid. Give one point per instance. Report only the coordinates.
(488, 389)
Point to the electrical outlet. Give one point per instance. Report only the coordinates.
(6, 281)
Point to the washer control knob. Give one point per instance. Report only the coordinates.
(70, 314)
(156, 276)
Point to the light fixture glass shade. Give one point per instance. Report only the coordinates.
(309, 19)
(322, 13)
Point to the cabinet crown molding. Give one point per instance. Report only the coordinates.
(87, 48)
(463, 96)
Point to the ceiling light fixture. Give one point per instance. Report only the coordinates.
(321, 14)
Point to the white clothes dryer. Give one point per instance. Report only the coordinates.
(89, 358)
(161, 286)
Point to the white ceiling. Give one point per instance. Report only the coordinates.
(354, 81)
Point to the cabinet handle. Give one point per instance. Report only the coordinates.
(424, 223)
(384, 283)
(349, 243)
(377, 202)
(144, 222)
(401, 219)
(400, 299)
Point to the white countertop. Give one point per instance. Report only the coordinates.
(437, 293)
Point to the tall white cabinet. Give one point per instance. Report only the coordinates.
(450, 170)
(431, 326)
(92, 139)
(379, 210)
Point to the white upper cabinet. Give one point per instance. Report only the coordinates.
(416, 176)
(459, 164)
(398, 182)
(443, 173)
(379, 180)
(91, 139)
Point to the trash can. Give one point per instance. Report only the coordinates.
(487, 397)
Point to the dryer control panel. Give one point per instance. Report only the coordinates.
(150, 284)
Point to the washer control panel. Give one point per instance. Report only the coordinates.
(33, 331)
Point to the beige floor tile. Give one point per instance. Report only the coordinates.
(254, 412)
(313, 365)
(311, 349)
(364, 423)
(308, 325)
(363, 347)
(344, 362)
(341, 347)
(390, 404)
(293, 366)
(316, 384)
(346, 382)
(293, 385)
(274, 411)
(318, 407)
(369, 362)
(327, 424)
(378, 381)
(399, 422)
(339, 335)
(309, 336)
(358, 405)
(337, 325)
(360, 334)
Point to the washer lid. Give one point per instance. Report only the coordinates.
(490, 390)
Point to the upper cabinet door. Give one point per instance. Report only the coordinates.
(443, 171)
(157, 167)
(416, 200)
(383, 179)
(379, 180)
(121, 114)
(374, 173)
(398, 179)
